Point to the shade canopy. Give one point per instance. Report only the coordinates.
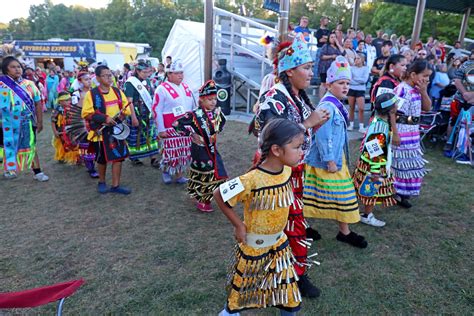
(454, 6)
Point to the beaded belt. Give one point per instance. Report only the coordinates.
(262, 241)
(410, 120)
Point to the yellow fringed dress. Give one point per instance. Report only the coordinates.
(68, 155)
(261, 277)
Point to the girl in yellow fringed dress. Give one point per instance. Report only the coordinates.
(64, 150)
(262, 272)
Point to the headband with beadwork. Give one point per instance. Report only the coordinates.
(208, 88)
(338, 70)
(295, 55)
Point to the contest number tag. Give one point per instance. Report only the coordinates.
(373, 148)
(74, 99)
(231, 188)
(382, 90)
(401, 102)
(178, 111)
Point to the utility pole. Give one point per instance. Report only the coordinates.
(208, 38)
(283, 20)
(420, 11)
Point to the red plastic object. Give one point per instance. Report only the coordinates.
(39, 296)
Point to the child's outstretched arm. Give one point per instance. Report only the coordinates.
(240, 230)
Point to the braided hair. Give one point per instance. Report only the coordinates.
(277, 132)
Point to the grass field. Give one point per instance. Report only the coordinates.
(153, 253)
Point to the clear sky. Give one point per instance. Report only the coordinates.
(20, 8)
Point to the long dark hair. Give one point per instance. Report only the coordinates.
(277, 132)
(6, 62)
(418, 66)
(392, 60)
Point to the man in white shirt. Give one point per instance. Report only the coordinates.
(370, 50)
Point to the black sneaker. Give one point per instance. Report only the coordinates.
(402, 202)
(307, 289)
(352, 239)
(313, 233)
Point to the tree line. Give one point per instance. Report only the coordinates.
(149, 21)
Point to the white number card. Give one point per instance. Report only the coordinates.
(231, 188)
(178, 111)
(373, 148)
(382, 90)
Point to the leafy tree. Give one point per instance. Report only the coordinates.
(151, 20)
(20, 27)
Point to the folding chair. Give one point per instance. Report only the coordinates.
(40, 296)
(428, 122)
(462, 137)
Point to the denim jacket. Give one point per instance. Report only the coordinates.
(330, 141)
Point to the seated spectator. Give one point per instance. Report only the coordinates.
(358, 37)
(436, 51)
(395, 48)
(402, 44)
(457, 50)
(422, 54)
(303, 28)
(339, 33)
(409, 55)
(440, 81)
(349, 51)
(453, 67)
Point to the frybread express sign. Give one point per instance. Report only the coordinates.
(58, 49)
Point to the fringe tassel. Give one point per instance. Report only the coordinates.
(267, 281)
(202, 184)
(272, 197)
(404, 154)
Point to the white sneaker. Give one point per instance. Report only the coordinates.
(351, 126)
(41, 177)
(372, 221)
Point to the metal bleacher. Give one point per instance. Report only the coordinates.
(236, 39)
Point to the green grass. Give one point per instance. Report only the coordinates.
(153, 253)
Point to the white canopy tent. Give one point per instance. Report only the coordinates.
(186, 42)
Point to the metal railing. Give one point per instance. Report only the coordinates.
(241, 39)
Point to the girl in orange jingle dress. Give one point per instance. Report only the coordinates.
(262, 272)
(372, 176)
